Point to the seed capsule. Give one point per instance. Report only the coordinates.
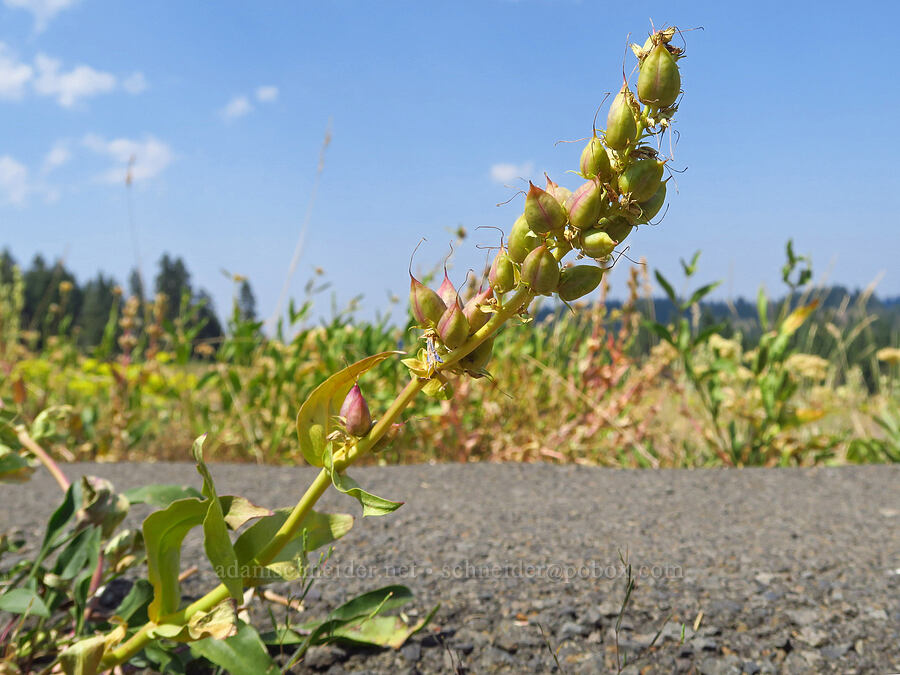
(479, 357)
(543, 212)
(621, 127)
(576, 282)
(595, 161)
(474, 315)
(585, 205)
(641, 179)
(447, 291)
(597, 243)
(453, 327)
(355, 411)
(560, 193)
(521, 240)
(652, 206)
(541, 271)
(502, 276)
(427, 306)
(659, 81)
(618, 228)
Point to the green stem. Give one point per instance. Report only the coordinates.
(294, 521)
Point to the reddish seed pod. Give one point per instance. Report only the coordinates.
(595, 161)
(597, 243)
(621, 126)
(474, 315)
(560, 193)
(540, 271)
(543, 213)
(427, 306)
(576, 282)
(659, 81)
(586, 204)
(502, 276)
(641, 179)
(453, 328)
(355, 411)
(521, 240)
(447, 291)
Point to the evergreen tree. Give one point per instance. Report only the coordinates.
(7, 262)
(96, 305)
(246, 302)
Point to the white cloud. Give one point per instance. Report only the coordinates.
(68, 87)
(42, 10)
(58, 155)
(150, 157)
(135, 83)
(14, 186)
(14, 75)
(237, 107)
(507, 173)
(267, 94)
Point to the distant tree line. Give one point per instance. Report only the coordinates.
(55, 301)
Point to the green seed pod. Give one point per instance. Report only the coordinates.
(479, 357)
(641, 179)
(659, 81)
(597, 243)
(576, 282)
(474, 315)
(543, 212)
(585, 205)
(355, 411)
(558, 249)
(453, 327)
(621, 126)
(618, 228)
(652, 206)
(502, 276)
(595, 161)
(522, 240)
(427, 306)
(540, 271)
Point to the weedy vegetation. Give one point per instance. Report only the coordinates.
(599, 383)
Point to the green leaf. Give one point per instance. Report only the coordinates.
(439, 388)
(216, 541)
(690, 268)
(160, 496)
(381, 599)
(372, 504)
(83, 551)
(83, 658)
(23, 601)
(240, 654)
(381, 631)
(660, 331)
(708, 332)
(762, 309)
(667, 287)
(163, 533)
(314, 420)
(13, 468)
(239, 510)
(702, 292)
(316, 530)
(138, 599)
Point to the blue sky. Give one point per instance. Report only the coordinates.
(435, 109)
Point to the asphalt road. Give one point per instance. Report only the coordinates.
(769, 570)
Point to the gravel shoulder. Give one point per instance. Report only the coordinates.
(769, 570)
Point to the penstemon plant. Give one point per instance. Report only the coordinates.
(623, 187)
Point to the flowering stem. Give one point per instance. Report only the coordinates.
(294, 521)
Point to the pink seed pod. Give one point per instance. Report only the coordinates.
(659, 81)
(585, 205)
(355, 411)
(453, 328)
(621, 126)
(595, 161)
(543, 213)
(474, 315)
(427, 306)
(447, 291)
(522, 240)
(560, 193)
